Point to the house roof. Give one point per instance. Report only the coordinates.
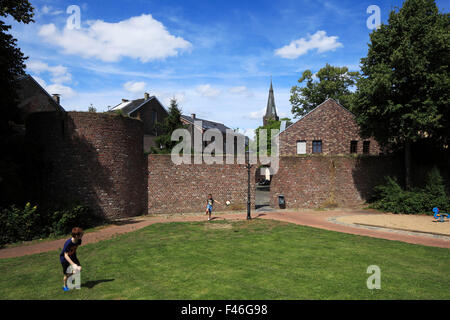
(319, 106)
(206, 124)
(130, 106)
(26, 81)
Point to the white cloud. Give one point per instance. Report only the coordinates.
(241, 90)
(49, 10)
(64, 91)
(56, 88)
(135, 87)
(319, 41)
(141, 37)
(207, 91)
(59, 73)
(257, 115)
(59, 77)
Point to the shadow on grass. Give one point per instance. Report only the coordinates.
(91, 284)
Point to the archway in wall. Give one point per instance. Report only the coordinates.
(262, 189)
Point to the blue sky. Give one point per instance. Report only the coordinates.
(215, 57)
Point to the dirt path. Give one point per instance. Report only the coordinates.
(318, 219)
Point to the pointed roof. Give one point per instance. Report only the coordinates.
(271, 111)
(327, 102)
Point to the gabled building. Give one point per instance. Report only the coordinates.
(328, 129)
(150, 110)
(192, 125)
(34, 98)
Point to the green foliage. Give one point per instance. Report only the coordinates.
(333, 82)
(92, 108)
(63, 220)
(20, 10)
(169, 125)
(120, 113)
(403, 92)
(30, 223)
(391, 197)
(270, 125)
(12, 59)
(19, 224)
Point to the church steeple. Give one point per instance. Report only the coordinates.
(271, 110)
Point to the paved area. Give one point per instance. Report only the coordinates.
(416, 223)
(318, 219)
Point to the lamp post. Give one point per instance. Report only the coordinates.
(247, 160)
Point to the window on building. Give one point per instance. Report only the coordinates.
(301, 147)
(317, 146)
(354, 147)
(366, 147)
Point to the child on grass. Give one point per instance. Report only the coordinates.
(68, 256)
(209, 205)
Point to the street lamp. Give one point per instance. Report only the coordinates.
(247, 160)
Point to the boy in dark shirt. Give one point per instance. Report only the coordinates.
(68, 256)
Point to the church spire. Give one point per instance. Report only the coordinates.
(271, 111)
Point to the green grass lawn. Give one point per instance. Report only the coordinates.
(258, 259)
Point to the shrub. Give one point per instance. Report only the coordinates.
(63, 220)
(391, 197)
(29, 223)
(19, 224)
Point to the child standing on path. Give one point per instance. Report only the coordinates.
(209, 205)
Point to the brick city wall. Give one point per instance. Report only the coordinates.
(314, 181)
(92, 158)
(184, 188)
(330, 123)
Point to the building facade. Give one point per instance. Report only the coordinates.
(328, 129)
(150, 110)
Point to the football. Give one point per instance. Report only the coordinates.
(228, 202)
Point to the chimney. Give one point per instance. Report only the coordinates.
(146, 96)
(56, 97)
(193, 116)
(124, 100)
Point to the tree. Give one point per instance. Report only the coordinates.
(92, 109)
(13, 181)
(403, 93)
(270, 125)
(333, 82)
(11, 59)
(169, 125)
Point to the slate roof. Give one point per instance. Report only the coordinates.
(132, 105)
(206, 124)
(26, 83)
(331, 100)
(271, 110)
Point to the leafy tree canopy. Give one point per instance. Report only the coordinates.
(11, 58)
(331, 82)
(270, 125)
(167, 126)
(403, 94)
